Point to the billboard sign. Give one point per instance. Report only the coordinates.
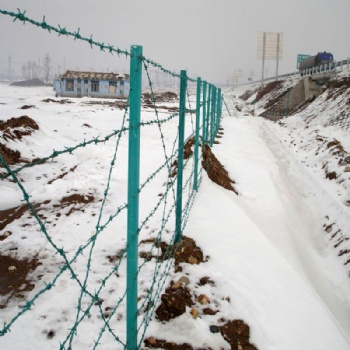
(270, 45)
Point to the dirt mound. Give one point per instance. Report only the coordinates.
(181, 294)
(62, 101)
(188, 151)
(186, 251)
(210, 163)
(163, 344)
(274, 85)
(174, 303)
(117, 104)
(14, 281)
(15, 129)
(29, 83)
(160, 96)
(10, 156)
(27, 107)
(168, 96)
(216, 171)
(247, 95)
(150, 101)
(237, 333)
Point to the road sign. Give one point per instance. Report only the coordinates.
(301, 57)
(270, 45)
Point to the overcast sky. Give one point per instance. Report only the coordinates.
(209, 38)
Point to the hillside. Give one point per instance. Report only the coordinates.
(317, 133)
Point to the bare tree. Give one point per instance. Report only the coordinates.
(47, 66)
(32, 70)
(24, 71)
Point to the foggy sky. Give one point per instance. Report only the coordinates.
(209, 38)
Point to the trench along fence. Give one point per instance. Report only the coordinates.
(197, 123)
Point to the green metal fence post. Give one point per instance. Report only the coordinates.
(180, 158)
(133, 196)
(212, 122)
(208, 113)
(196, 146)
(287, 104)
(204, 112)
(218, 115)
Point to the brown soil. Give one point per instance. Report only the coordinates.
(186, 251)
(162, 344)
(149, 102)
(338, 83)
(10, 215)
(63, 101)
(216, 171)
(27, 107)
(10, 156)
(188, 148)
(173, 303)
(237, 333)
(336, 147)
(71, 170)
(210, 163)
(187, 154)
(14, 279)
(116, 104)
(76, 202)
(15, 129)
(274, 85)
(161, 97)
(248, 94)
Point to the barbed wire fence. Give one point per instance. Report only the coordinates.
(181, 178)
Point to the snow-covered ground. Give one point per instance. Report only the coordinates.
(272, 261)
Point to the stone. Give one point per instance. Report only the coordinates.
(12, 268)
(347, 159)
(176, 285)
(151, 341)
(347, 169)
(203, 299)
(192, 260)
(185, 280)
(214, 329)
(194, 313)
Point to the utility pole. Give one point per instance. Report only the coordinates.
(263, 58)
(277, 53)
(10, 69)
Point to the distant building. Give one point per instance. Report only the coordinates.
(92, 84)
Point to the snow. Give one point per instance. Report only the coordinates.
(273, 264)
